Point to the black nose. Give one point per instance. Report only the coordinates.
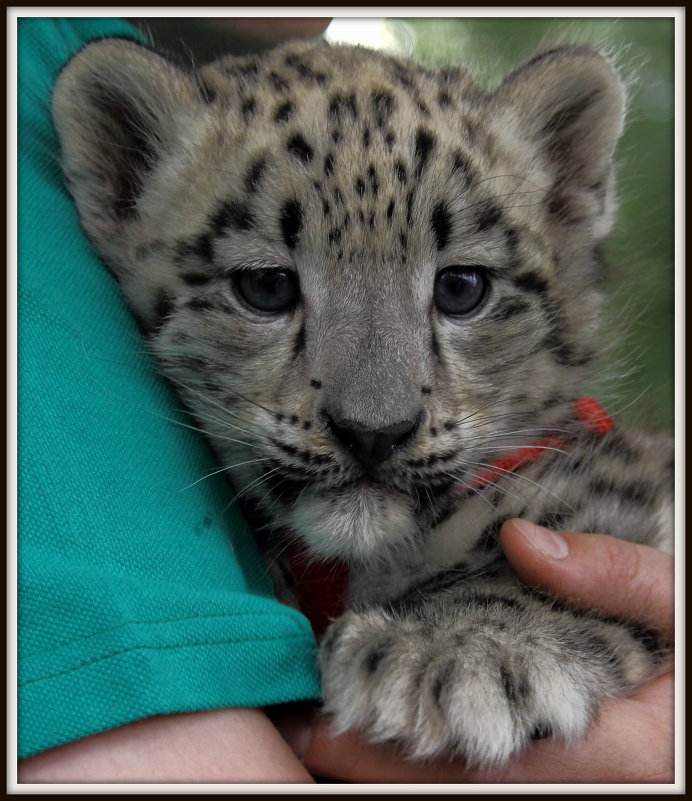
(371, 446)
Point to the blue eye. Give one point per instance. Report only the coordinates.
(271, 289)
(459, 290)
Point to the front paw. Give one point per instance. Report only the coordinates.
(480, 684)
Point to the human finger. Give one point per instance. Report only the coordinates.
(631, 741)
(615, 577)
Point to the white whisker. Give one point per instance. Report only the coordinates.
(258, 480)
(225, 469)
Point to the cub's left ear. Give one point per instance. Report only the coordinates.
(119, 109)
(571, 102)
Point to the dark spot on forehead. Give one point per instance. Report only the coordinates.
(425, 143)
(250, 69)
(372, 177)
(402, 75)
(489, 215)
(291, 222)
(444, 99)
(249, 107)
(298, 147)
(441, 223)
(512, 240)
(283, 112)
(279, 84)
(303, 69)
(383, 106)
(462, 165)
(232, 214)
(254, 175)
(202, 247)
(340, 104)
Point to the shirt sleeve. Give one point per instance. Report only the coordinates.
(140, 589)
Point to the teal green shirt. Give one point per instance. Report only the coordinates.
(141, 592)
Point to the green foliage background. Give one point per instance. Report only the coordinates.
(637, 382)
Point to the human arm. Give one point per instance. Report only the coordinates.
(223, 745)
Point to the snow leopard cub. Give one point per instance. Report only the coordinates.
(374, 286)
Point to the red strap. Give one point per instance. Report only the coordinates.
(513, 461)
(592, 415)
(321, 585)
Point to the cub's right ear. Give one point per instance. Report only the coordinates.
(118, 108)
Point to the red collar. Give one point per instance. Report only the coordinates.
(321, 586)
(585, 410)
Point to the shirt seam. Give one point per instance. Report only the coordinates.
(133, 648)
(109, 630)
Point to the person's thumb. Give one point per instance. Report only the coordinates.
(613, 576)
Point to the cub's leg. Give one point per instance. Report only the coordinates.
(477, 669)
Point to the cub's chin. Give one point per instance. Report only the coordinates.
(354, 523)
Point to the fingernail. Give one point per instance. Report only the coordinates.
(546, 542)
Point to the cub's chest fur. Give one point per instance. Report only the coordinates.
(372, 283)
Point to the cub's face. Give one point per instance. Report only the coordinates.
(366, 278)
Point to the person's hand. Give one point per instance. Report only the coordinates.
(631, 740)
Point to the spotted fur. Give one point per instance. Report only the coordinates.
(357, 418)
